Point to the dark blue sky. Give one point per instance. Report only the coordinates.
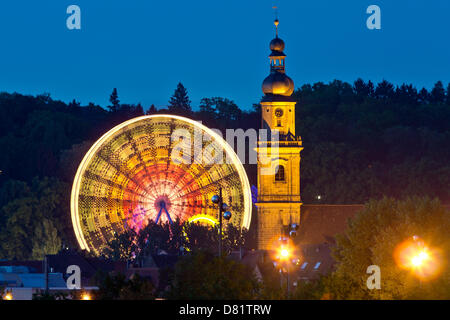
(215, 47)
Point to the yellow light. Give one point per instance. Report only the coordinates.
(203, 218)
(284, 253)
(422, 261)
(8, 296)
(420, 258)
(86, 296)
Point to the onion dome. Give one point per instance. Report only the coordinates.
(277, 45)
(279, 84)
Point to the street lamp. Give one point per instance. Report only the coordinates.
(420, 258)
(8, 296)
(284, 255)
(86, 296)
(217, 199)
(414, 255)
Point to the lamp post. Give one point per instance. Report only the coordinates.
(285, 253)
(217, 199)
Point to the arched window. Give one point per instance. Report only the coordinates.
(279, 174)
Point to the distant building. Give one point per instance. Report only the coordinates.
(22, 279)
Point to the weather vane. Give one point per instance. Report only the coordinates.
(275, 8)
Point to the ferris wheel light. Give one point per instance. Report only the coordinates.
(130, 182)
(203, 218)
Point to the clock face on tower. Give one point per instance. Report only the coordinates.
(279, 113)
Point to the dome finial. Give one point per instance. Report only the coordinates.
(276, 22)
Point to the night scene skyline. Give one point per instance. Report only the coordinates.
(215, 48)
(225, 155)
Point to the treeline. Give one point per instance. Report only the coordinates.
(361, 141)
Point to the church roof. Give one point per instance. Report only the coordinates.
(320, 223)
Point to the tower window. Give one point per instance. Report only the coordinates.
(279, 175)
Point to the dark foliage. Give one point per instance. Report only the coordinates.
(204, 276)
(360, 141)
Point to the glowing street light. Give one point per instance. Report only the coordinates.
(86, 296)
(415, 256)
(284, 253)
(8, 296)
(420, 258)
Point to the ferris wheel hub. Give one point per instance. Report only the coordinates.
(162, 202)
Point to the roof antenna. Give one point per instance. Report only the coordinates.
(276, 22)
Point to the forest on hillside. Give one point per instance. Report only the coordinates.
(361, 141)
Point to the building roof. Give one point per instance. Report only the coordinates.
(33, 280)
(32, 265)
(89, 266)
(321, 223)
(315, 260)
(37, 280)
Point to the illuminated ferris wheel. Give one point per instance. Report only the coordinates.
(160, 168)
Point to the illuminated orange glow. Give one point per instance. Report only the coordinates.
(284, 253)
(202, 218)
(86, 296)
(8, 296)
(422, 261)
(420, 258)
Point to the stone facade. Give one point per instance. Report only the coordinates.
(279, 200)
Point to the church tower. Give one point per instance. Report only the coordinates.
(279, 199)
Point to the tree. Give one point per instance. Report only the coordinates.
(122, 247)
(69, 159)
(448, 94)
(115, 286)
(222, 111)
(312, 290)
(179, 103)
(172, 238)
(151, 110)
(46, 240)
(114, 99)
(162, 236)
(202, 275)
(371, 239)
(384, 90)
(362, 89)
(438, 93)
(424, 96)
(36, 222)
